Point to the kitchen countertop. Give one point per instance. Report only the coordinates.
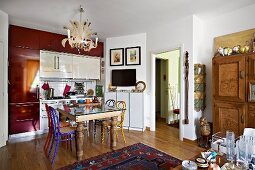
(52, 100)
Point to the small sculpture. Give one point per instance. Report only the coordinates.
(205, 131)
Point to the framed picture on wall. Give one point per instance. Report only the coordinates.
(133, 55)
(117, 57)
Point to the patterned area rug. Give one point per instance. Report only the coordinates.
(137, 156)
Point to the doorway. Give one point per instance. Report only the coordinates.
(167, 89)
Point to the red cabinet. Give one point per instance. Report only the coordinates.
(99, 51)
(21, 37)
(24, 117)
(48, 41)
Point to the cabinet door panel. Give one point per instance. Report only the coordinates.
(251, 67)
(48, 62)
(136, 110)
(65, 63)
(86, 67)
(125, 97)
(229, 116)
(251, 116)
(229, 78)
(48, 41)
(21, 37)
(24, 118)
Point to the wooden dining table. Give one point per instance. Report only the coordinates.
(80, 114)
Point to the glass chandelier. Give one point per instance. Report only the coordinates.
(79, 35)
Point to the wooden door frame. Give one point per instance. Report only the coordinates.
(153, 88)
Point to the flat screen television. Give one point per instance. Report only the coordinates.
(124, 77)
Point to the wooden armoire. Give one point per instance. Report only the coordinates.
(233, 92)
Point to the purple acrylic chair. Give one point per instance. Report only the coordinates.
(64, 134)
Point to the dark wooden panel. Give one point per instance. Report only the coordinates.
(21, 37)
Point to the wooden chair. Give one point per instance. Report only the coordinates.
(64, 134)
(107, 123)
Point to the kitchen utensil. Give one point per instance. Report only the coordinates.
(50, 94)
(90, 92)
(67, 89)
(45, 86)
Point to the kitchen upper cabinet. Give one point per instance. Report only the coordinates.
(229, 75)
(55, 65)
(86, 67)
(21, 37)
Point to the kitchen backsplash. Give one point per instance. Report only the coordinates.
(60, 86)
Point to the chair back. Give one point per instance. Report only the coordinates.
(110, 103)
(48, 115)
(121, 105)
(55, 121)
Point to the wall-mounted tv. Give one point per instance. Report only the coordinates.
(124, 77)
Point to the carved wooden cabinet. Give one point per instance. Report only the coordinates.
(230, 116)
(232, 108)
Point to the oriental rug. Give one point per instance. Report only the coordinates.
(137, 156)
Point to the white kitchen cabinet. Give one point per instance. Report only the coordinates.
(43, 113)
(134, 114)
(124, 96)
(136, 110)
(55, 65)
(85, 67)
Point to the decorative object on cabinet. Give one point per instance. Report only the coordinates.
(233, 39)
(133, 55)
(80, 34)
(186, 79)
(140, 86)
(199, 90)
(117, 57)
(251, 91)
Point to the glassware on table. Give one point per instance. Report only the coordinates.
(230, 143)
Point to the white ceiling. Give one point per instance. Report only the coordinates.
(112, 18)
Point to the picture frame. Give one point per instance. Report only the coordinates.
(117, 57)
(251, 91)
(133, 55)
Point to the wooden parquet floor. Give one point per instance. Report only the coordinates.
(27, 153)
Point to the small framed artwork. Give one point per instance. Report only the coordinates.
(117, 57)
(133, 55)
(252, 91)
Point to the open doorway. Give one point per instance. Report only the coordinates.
(168, 88)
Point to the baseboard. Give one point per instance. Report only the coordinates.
(193, 142)
(27, 134)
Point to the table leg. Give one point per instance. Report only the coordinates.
(113, 131)
(79, 140)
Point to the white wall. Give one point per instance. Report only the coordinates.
(235, 21)
(141, 70)
(4, 72)
(169, 37)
